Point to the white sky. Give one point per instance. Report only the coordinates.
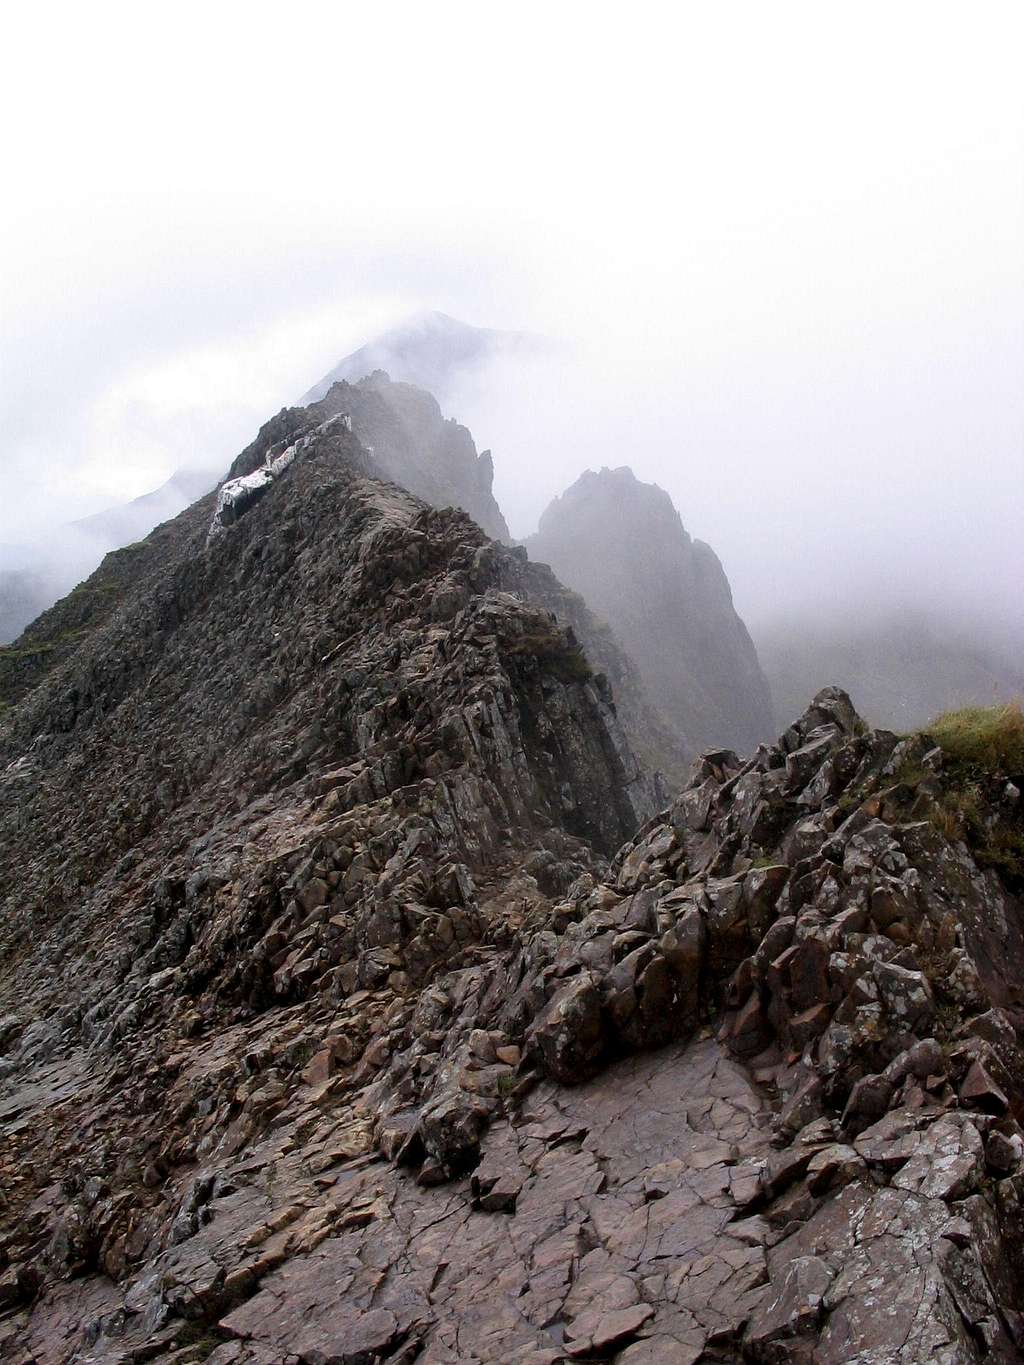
(785, 243)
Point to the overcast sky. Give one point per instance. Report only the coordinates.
(783, 245)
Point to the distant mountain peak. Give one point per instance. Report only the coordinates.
(431, 349)
(621, 543)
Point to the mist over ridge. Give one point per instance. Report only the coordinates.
(860, 614)
(512, 684)
(910, 633)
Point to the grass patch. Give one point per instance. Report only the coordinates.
(982, 747)
(29, 652)
(911, 773)
(988, 738)
(553, 652)
(960, 811)
(199, 1339)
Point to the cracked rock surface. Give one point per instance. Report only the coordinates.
(357, 1005)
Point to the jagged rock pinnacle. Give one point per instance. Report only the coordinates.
(621, 543)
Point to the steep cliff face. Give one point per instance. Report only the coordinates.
(621, 544)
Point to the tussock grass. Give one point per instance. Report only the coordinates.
(982, 746)
(988, 738)
(554, 652)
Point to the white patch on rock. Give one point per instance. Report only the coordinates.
(237, 495)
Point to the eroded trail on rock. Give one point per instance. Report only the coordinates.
(600, 1210)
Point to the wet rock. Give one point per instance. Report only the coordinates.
(832, 1166)
(1004, 1152)
(790, 1313)
(947, 1161)
(979, 1091)
(570, 1036)
(905, 994)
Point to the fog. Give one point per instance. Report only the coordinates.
(778, 253)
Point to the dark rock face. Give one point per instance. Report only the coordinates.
(328, 1029)
(621, 544)
(662, 748)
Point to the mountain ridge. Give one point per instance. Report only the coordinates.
(622, 544)
(431, 350)
(360, 1001)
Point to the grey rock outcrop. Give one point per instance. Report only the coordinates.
(622, 545)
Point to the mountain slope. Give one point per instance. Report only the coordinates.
(356, 1005)
(345, 679)
(903, 667)
(433, 351)
(621, 544)
(259, 1021)
(51, 570)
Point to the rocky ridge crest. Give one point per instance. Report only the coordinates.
(620, 542)
(348, 1015)
(413, 443)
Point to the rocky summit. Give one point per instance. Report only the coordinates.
(434, 352)
(415, 445)
(621, 543)
(362, 1001)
